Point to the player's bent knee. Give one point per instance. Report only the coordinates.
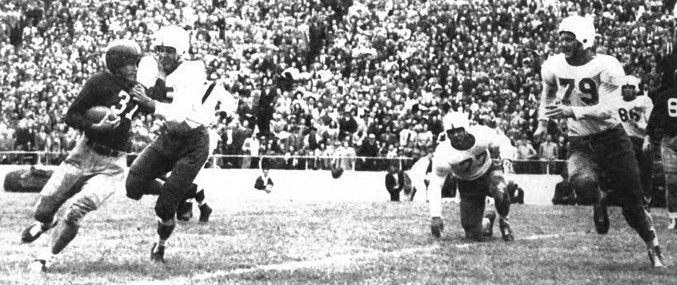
(134, 186)
(584, 182)
(45, 210)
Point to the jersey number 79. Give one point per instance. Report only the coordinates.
(586, 86)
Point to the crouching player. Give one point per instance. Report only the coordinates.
(465, 155)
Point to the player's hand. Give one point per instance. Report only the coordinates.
(507, 165)
(269, 188)
(541, 130)
(646, 145)
(139, 95)
(107, 123)
(559, 111)
(436, 226)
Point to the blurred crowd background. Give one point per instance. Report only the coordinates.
(321, 79)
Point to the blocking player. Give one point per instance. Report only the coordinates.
(581, 86)
(183, 146)
(94, 168)
(465, 153)
(664, 116)
(633, 112)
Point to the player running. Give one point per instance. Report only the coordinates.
(184, 145)
(465, 154)
(633, 112)
(664, 116)
(95, 167)
(581, 86)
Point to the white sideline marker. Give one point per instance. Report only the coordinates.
(344, 260)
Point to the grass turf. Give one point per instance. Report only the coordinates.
(262, 240)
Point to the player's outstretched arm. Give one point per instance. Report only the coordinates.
(440, 171)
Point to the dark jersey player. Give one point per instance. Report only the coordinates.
(94, 168)
(664, 116)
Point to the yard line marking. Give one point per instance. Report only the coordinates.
(348, 259)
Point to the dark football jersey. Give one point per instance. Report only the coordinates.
(664, 114)
(104, 89)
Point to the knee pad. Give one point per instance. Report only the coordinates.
(584, 182)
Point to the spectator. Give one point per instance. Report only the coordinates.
(394, 182)
(547, 152)
(368, 150)
(264, 182)
(251, 148)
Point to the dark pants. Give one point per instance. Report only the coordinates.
(645, 164)
(612, 151)
(183, 154)
(473, 198)
(394, 195)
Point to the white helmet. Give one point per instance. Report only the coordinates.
(631, 80)
(173, 36)
(455, 120)
(583, 28)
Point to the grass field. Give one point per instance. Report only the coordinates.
(264, 240)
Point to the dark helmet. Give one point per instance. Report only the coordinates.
(120, 53)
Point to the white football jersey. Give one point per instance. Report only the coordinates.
(194, 99)
(590, 88)
(467, 164)
(474, 162)
(634, 115)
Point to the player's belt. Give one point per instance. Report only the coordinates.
(104, 150)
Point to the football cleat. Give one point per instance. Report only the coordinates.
(157, 253)
(37, 266)
(673, 224)
(34, 231)
(436, 226)
(601, 216)
(488, 230)
(656, 257)
(205, 211)
(506, 231)
(184, 211)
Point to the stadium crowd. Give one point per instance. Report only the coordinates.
(324, 78)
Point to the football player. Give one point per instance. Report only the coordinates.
(633, 112)
(465, 153)
(581, 87)
(183, 145)
(664, 116)
(95, 167)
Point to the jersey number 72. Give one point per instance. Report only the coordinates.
(586, 86)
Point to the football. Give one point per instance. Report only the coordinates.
(96, 113)
(336, 172)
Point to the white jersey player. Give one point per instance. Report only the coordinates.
(183, 146)
(634, 111)
(465, 154)
(582, 87)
